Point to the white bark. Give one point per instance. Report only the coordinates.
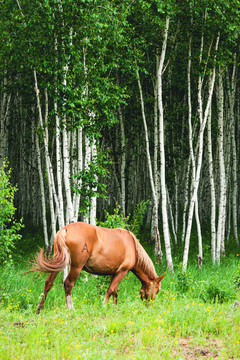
(51, 187)
(61, 220)
(66, 175)
(203, 120)
(162, 150)
(123, 162)
(186, 198)
(44, 217)
(200, 255)
(212, 190)
(154, 193)
(231, 96)
(86, 166)
(93, 208)
(76, 197)
(222, 175)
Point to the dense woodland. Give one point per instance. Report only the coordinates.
(124, 102)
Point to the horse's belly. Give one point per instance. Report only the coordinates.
(104, 265)
(100, 269)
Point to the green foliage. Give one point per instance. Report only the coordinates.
(115, 220)
(216, 294)
(236, 278)
(183, 282)
(90, 180)
(137, 221)
(8, 226)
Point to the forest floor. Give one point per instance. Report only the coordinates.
(193, 317)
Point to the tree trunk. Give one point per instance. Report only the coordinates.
(44, 217)
(203, 120)
(222, 197)
(162, 151)
(158, 250)
(212, 190)
(123, 162)
(231, 86)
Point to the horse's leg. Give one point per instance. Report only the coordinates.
(68, 284)
(47, 287)
(113, 288)
(115, 293)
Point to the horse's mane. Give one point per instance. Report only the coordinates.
(143, 260)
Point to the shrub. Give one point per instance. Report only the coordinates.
(236, 278)
(216, 294)
(183, 282)
(116, 220)
(8, 226)
(137, 221)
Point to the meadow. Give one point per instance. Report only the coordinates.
(193, 317)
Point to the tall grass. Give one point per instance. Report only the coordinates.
(193, 315)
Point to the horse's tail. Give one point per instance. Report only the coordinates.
(61, 257)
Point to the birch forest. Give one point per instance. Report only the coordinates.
(116, 103)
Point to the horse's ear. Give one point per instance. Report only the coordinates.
(160, 278)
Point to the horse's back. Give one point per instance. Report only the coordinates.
(108, 250)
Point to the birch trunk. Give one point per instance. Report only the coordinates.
(50, 178)
(123, 162)
(61, 220)
(231, 96)
(222, 197)
(44, 217)
(66, 172)
(203, 120)
(186, 198)
(93, 206)
(162, 151)
(212, 190)
(86, 165)
(200, 255)
(158, 250)
(79, 167)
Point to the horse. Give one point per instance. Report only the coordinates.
(101, 251)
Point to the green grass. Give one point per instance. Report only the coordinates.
(193, 317)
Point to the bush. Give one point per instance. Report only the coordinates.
(8, 226)
(137, 221)
(117, 220)
(236, 278)
(183, 283)
(216, 294)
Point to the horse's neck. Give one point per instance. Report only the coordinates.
(144, 268)
(144, 274)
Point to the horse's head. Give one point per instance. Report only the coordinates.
(150, 289)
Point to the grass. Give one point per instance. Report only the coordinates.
(193, 317)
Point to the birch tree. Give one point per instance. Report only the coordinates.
(212, 187)
(153, 185)
(162, 150)
(231, 87)
(222, 178)
(203, 115)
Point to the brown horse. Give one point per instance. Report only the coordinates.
(100, 251)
